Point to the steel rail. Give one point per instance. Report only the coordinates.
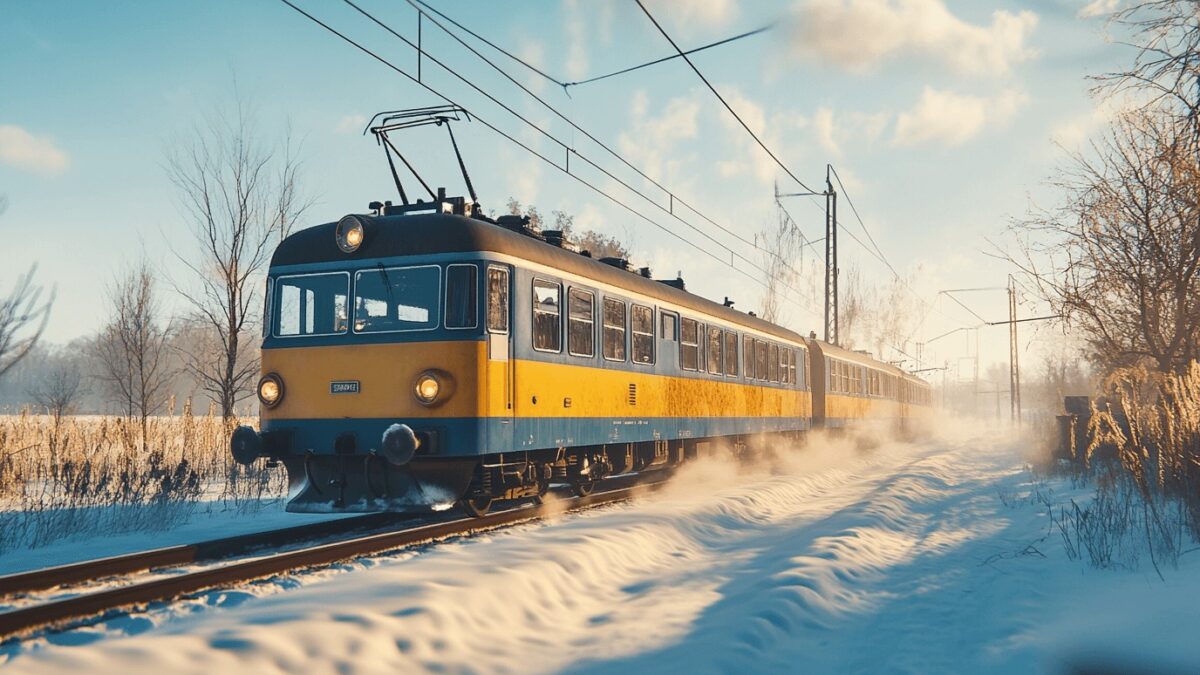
(18, 622)
(184, 554)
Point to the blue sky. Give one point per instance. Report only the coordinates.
(940, 116)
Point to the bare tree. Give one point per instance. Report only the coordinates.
(1166, 69)
(241, 196)
(781, 246)
(23, 317)
(132, 347)
(598, 244)
(1120, 259)
(59, 388)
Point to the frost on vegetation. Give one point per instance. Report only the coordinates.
(1144, 458)
(67, 477)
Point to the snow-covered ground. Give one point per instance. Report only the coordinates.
(926, 557)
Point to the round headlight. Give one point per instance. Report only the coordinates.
(350, 234)
(427, 388)
(270, 390)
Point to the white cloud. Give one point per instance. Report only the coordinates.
(652, 141)
(859, 34)
(689, 12)
(23, 150)
(1097, 8)
(577, 33)
(951, 119)
(351, 124)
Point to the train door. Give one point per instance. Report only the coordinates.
(501, 376)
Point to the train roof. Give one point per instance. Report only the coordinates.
(426, 234)
(433, 233)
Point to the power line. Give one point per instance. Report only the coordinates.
(674, 198)
(571, 151)
(530, 150)
(721, 98)
(664, 59)
(861, 224)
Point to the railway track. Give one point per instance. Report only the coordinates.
(56, 613)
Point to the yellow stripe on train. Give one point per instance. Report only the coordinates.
(496, 388)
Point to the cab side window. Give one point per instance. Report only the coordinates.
(462, 296)
(497, 306)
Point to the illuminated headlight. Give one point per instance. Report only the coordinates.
(350, 234)
(427, 388)
(270, 390)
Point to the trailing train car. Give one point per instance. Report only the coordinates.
(423, 356)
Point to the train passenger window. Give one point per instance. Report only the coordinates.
(581, 323)
(669, 321)
(497, 305)
(547, 316)
(785, 365)
(311, 304)
(689, 344)
(792, 367)
(731, 355)
(714, 350)
(802, 368)
(760, 360)
(614, 330)
(642, 328)
(748, 356)
(462, 296)
(773, 362)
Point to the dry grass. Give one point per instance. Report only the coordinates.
(1144, 455)
(71, 476)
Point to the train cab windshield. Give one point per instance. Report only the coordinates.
(376, 300)
(393, 299)
(311, 304)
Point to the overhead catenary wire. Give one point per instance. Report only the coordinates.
(721, 98)
(576, 83)
(572, 151)
(525, 147)
(674, 198)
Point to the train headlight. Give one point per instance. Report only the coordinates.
(433, 387)
(427, 388)
(350, 234)
(270, 390)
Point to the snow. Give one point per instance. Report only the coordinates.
(925, 557)
(208, 521)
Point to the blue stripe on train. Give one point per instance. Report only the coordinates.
(466, 437)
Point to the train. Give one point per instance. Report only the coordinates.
(423, 356)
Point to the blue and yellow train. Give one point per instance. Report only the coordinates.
(426, 355)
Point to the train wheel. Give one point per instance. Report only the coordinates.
(476, 507)
(585, 488)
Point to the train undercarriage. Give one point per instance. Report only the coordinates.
(361, 483)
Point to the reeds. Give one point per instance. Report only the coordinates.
(67, 477)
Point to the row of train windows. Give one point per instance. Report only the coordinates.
(701, 348)
(846, 378)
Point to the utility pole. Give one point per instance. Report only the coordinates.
(831, 261)
(1014, 368)
(831, 266)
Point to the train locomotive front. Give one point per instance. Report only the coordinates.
(375, 359)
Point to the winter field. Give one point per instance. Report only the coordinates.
(934, 556)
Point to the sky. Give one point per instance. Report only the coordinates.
(943, 120)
